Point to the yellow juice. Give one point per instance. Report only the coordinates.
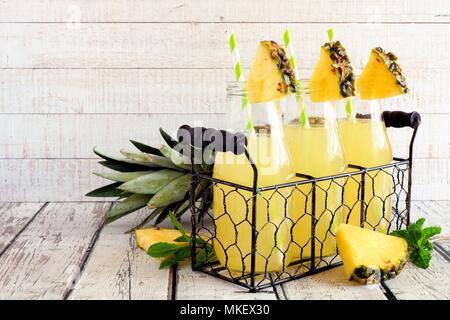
(316, 151)
(233, 208)
(366, 144)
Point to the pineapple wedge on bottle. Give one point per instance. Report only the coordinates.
(333, 76)
(370, 256)
(271, 75)
(382, 77)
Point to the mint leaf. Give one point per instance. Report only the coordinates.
(177, 223)
(181, 254)
(162, 249)
(183, 239)
(419, 223)
(419, 245)
(427, 233)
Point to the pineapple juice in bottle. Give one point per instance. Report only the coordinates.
(233, 206)
(366, 144)
(316, 150)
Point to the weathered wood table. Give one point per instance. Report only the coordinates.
(63, 251)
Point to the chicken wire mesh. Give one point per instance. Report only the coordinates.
(270, 235)
(257, 237)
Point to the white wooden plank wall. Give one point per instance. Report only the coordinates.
(74, 74)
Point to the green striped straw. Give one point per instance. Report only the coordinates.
(239, 76)
(298, 97)
(348, 104)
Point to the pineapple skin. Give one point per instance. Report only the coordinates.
(271, 75)
(333, 77)
(382, 77)
(370, 256)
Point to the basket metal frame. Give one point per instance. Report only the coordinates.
(252, 286)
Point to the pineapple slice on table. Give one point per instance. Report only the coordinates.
(370, 256)
(333, 76)
(382, 77)
(147, 237)
(271, 75)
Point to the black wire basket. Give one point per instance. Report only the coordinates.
(257, 254)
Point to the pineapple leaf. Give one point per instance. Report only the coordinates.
(147, 219)
(145, 148)
(119, 167)
(175, 157)
(149, 160)
(151, 183)
(199, 192)
(106, 191)
(123, 162)
(173, 192)
(171, 142)
(121, 176)
(163, 215)
(130, 204)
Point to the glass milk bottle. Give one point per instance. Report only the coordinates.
(366, 144)
(233, 206)
(316, 150)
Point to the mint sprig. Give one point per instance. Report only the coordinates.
(419, 244)
(174, 252)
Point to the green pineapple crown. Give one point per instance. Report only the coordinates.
(157, 178)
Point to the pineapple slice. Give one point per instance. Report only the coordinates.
(370, 256)
(382, 77)
(145, 238)
(271, 75)
(333, 77)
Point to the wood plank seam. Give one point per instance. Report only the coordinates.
(129, 253)
(442, 251)
(173, 282)
(386, 291)
(8, 245)
(283, 290)
(275, 289)
(86, 256)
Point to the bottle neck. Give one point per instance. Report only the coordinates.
(266, 118)
(362, 109)
(302, 112)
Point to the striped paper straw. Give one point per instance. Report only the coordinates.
(290, 52)
(239, 76)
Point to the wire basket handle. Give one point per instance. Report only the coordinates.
(400, 119)
(216, 140)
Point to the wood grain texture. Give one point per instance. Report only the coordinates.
(46, 258)
(117, 269)
(330, 285)
(14, 217)
(223, 11)
(74, 135)
(143, 91)
(70, 179)
(204, 45)
(200, 286)
(430, 284)
(436, 213)
(174, 91)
